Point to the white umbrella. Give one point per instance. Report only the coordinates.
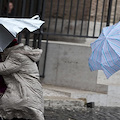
(10, 27)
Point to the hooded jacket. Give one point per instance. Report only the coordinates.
(23, 97)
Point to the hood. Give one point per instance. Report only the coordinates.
(33, 54)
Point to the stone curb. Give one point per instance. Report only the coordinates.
(63, 103)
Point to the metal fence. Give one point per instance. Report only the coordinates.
(80, 15)
(69, 18)
(22, 9)
(77, 18)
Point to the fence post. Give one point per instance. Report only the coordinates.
(42, 13)
(1, 1)
(109, 13)
(23, 7)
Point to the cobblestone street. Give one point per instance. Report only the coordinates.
(98, 113)
(60, 59)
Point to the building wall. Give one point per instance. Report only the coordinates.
(80, 10)
(101, 16)
(36, 5)
(67, 66)
(67, 9)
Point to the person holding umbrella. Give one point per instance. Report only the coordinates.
(23, 98)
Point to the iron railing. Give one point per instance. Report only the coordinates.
(83, 11)
(70, 18)
(22, 9)
(60, 17)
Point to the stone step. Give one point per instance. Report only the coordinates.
(63, 102)
(69, 104)
(87, 96)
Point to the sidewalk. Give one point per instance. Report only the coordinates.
(55, 93)
(69, 104)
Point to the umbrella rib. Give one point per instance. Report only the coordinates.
(94, 51)
(115, 31)
(108, 62)
(112, 56)
(114, 45)
(91, 67)
(98, 45)
(99, 39)
(115, 39)
(112, 29)
(107, 70)
(99, 48)
(114, 34)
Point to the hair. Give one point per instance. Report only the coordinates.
(4, 11)
(13, 43)
(8, 1)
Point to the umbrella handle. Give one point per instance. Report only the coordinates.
(36, 17)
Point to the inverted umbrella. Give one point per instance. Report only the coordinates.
(10, 27)
(106, 51)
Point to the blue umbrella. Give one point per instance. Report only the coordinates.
(106, 51)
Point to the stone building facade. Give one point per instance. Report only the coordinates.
(95, 11)
(18, 5)
(101, 4)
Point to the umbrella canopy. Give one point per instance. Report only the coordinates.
(10, 27)
(106, 51)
